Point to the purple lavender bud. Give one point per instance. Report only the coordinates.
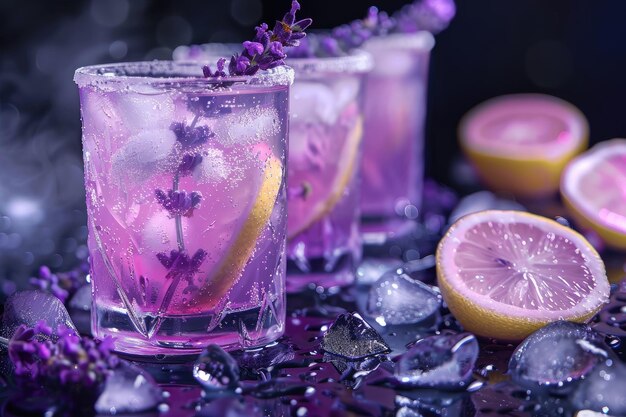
(38, 283)
(42, 328)
(178, 203)
(276, 50)
(275, 64)
(330, 46)
(253, 48)
(242, 63)
(219, 72)
(179, 264)
(251, 70)
(206, 70)
(302, 25)
(44, 272)
(191, 137)
(290, 17)
(188, 164)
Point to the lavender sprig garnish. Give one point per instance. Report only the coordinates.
(429, 15)
(266, 50)
(69, 360)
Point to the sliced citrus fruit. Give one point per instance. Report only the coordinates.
(235, 260)
(505, 274)
(593, 187)
(520, 143)
(325, 185)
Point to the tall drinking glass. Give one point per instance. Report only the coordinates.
(393, 145)
(326, 126)
(185, 181)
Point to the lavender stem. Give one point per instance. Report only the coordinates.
(4, 341)
(178, 219)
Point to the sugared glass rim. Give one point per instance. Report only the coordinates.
(170, 75)
(423, 41)
(357, 61)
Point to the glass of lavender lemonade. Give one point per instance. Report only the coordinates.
(393, 144)
(325, 137)
(186, 198)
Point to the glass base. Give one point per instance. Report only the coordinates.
(319, 272)
(380, 231)
(178, 338)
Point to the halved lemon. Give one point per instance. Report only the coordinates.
(520, 143)
(505, 274)
(594, 190)
(327, 185)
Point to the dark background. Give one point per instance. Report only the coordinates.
(572, 49)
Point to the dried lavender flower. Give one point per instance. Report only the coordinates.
(179, 203)
(68, 360)
(266, 49)
(62, 285)
(430, 15)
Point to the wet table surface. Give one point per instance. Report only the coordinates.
(295, 377)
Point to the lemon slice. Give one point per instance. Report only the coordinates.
(594, 190)
(236, 259)
(505, 274)
(520, 144)
(305, 212)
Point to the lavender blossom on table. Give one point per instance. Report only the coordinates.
(68, 360)
(61, 284)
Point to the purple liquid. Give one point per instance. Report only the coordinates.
(395, 109)
(325, 136)
(151, 301)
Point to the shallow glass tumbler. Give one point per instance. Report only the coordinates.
(185, 182)
(325, 138)
(393, 144)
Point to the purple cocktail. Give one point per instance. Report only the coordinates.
(325, 136)
(395, 109)
(185, 181)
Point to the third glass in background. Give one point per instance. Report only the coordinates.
(393, 144)
(325, 137)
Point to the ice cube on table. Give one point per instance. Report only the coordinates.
(128, 389)
(370, 270)
(441, 361)
(247, 127)
(351, 337)
(602, 390)
(396, 299)
(482, 200)
(265, 357)
(143, 155)
(312, 102)
(139, 111)
(32, 306)
(216, 370)
(408, 412)
(556, 356)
